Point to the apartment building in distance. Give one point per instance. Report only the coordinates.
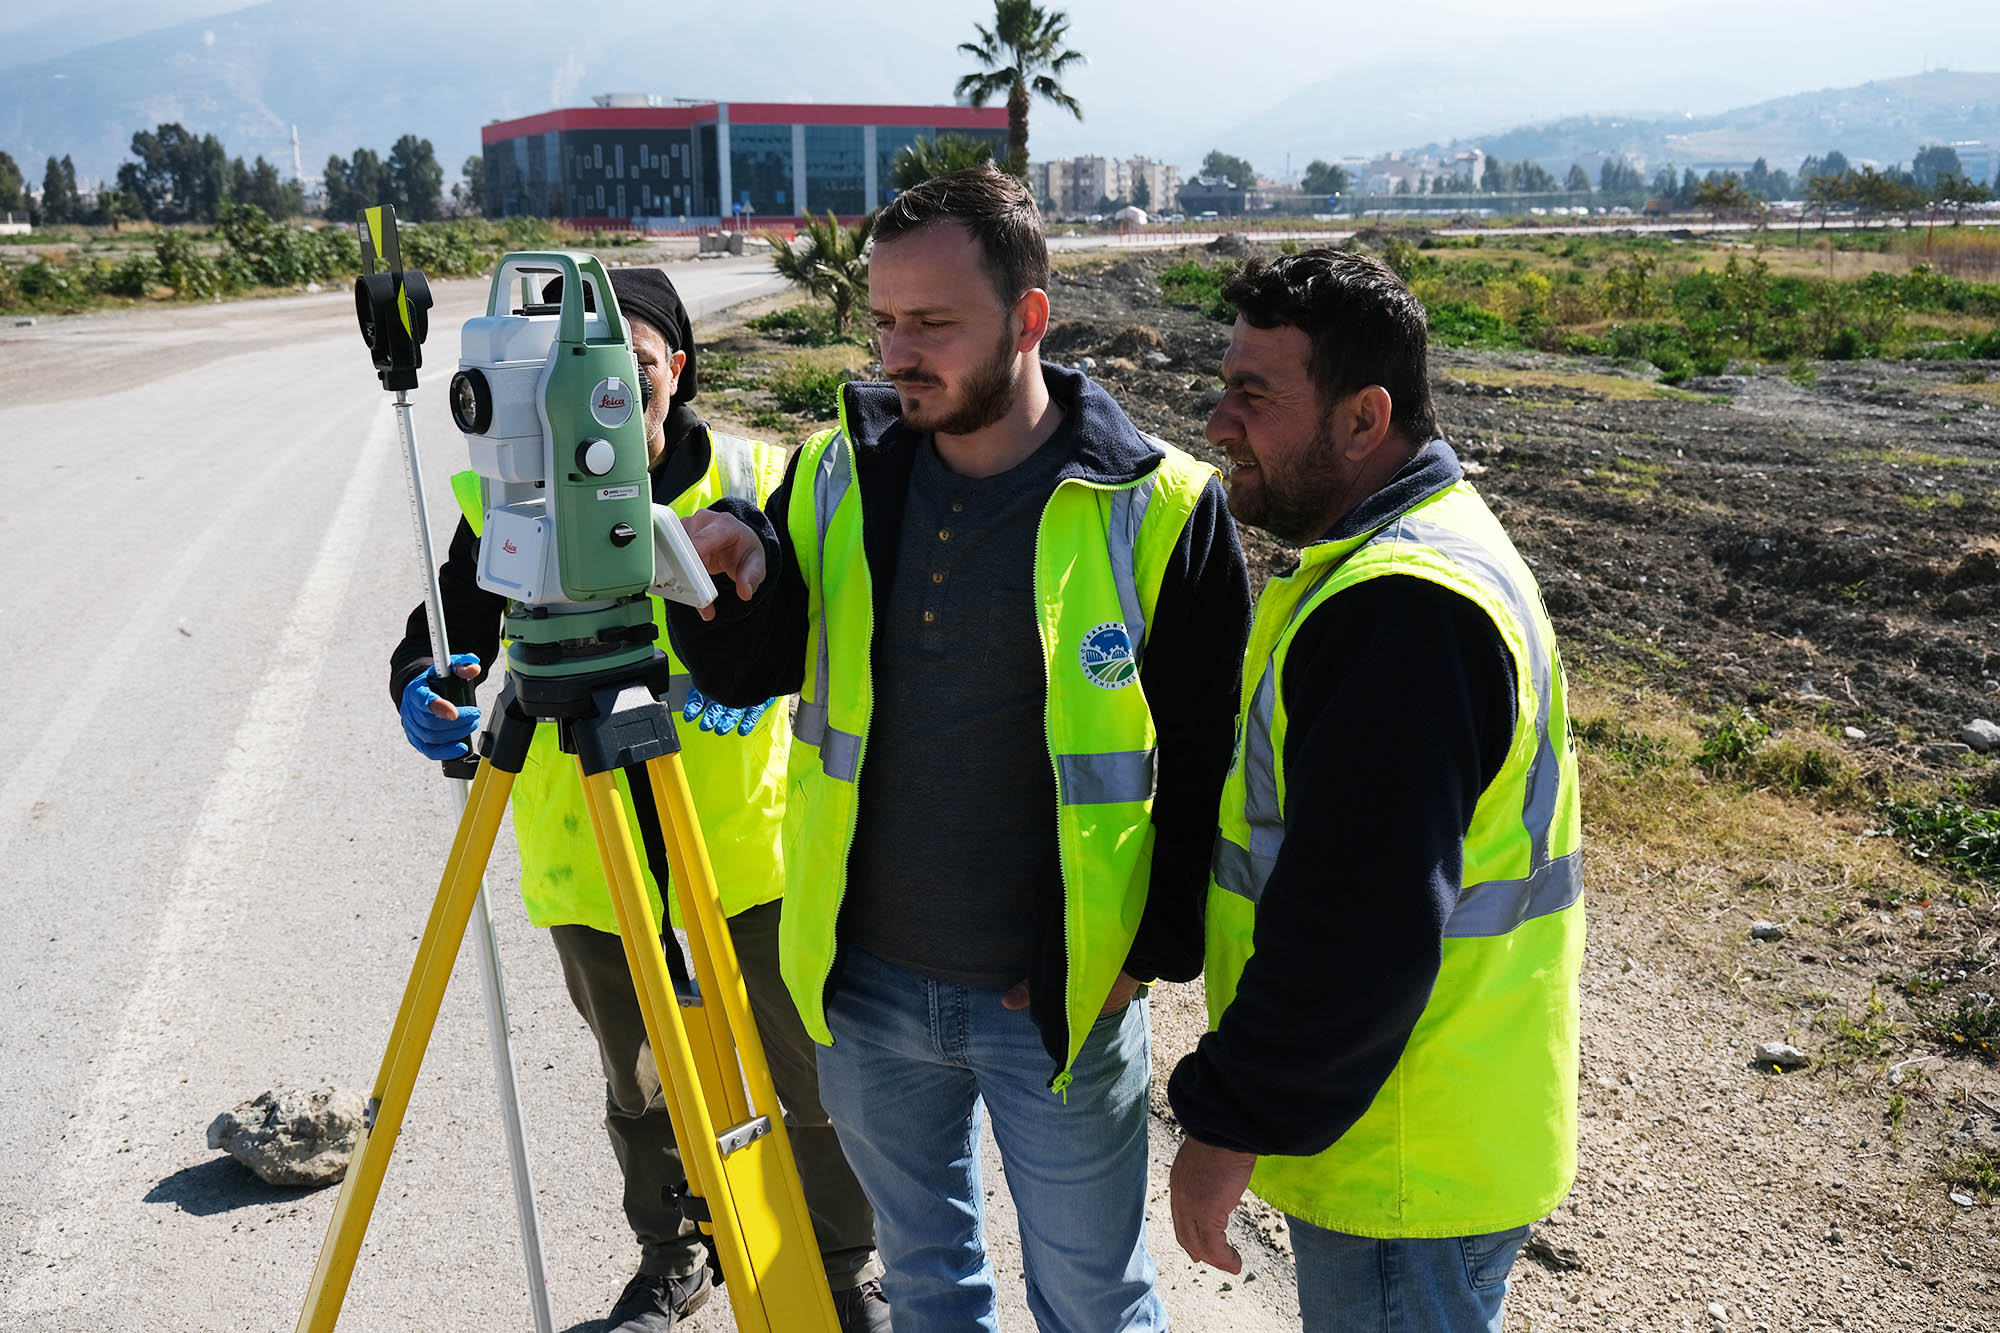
(1076, 186)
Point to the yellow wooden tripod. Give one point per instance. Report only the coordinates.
(743, 1187)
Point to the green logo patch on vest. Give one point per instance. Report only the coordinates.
(1106, 656)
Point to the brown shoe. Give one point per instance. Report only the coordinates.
(862, 1309)
(653, 1303)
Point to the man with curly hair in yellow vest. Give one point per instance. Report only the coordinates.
(1016, 623)
(1396, 922)
(735, 760)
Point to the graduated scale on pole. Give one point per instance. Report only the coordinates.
(548, 395)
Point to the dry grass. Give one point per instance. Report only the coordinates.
(1973, 255)
(1663, 831)
(1986, 392)
(1604, 386)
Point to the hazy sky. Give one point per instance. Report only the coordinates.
(1169, 77)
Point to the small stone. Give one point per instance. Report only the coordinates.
(1990, 685)
(1626, 966)
(1087, 364)
(1982, 735)
(1962, 1200)
(1946, 752)
(1766, 930)
(1158, 359)
(293, 1138)
(1781, 1055)
(1854, 733)
(24, 323)
(1718, 1312)
(313, 289)
(1835, 1236)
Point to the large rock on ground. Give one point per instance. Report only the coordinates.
(294, 1138)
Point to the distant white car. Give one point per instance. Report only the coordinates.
(1209, 213)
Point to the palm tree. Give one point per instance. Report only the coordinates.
(828, 260)
(921, 159)
(1023, 53)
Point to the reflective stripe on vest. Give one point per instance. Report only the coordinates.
(1493, 907)
(839, 751)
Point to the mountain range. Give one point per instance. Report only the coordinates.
(1882, 122)
(80, 76)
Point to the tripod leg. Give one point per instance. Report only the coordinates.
(680, 1078)
(795, 1291)
(415, 1019)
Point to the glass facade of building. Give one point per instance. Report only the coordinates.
(760, 170)
(893, 139)
(775, 161)
(836, 177)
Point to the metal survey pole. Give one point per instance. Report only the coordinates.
(499, 1036)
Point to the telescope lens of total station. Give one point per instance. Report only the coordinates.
(471, 402)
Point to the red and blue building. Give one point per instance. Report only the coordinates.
(628, 162)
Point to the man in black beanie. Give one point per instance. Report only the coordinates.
(736, 760)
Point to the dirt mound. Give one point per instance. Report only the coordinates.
(1761, 543)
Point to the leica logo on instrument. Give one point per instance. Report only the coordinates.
(611, 402)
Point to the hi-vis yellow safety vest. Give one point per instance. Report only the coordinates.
(1475, 1129)
(735, 758)
(1101, 553)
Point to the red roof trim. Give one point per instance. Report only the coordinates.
(743, 113)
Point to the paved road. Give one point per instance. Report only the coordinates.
(219, 852)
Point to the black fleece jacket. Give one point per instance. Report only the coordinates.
(1400, 703)
(1190, 668)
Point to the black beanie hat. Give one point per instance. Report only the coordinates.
(648, 295)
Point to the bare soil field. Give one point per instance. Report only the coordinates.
(1778, 595)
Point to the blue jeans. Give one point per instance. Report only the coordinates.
(913, 1062)
(1351, 1284)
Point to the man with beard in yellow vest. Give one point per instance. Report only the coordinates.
(1395, 926)
(1017, 621)
(735, 760)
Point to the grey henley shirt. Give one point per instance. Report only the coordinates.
(956, 842)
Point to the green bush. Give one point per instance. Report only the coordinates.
(1795, 767)
(277, 254)
(1730, 746)
(804, 388)
(1195, 284)
(1404, 259)
(451, 249)
(524, 233)
(808, 325)
(193, 275)
(1971, 1024)
(1463, 324)
(1634, 750)
(44, 285)
(1953, 834)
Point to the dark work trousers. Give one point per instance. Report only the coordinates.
(642, 1134)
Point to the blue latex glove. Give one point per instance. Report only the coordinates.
(436, 727)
